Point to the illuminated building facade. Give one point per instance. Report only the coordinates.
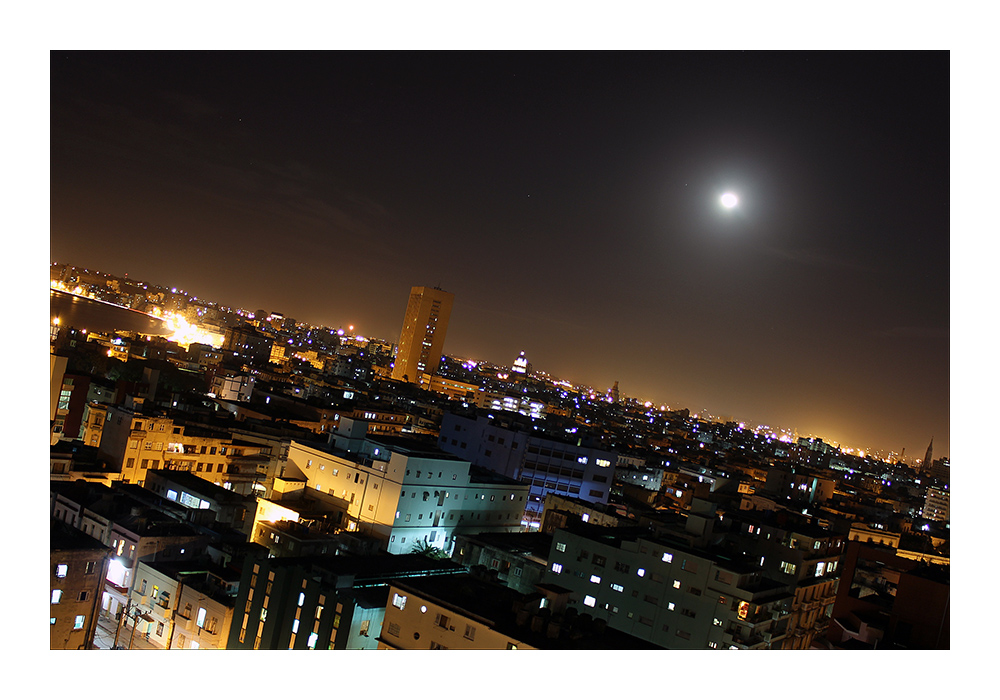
(464, 612)
(335, 602)
(78, 564)
(187, 605)
(521, 365)
(406, 493)
(937, 505)
(421, 340)
(513, 448)
(806, 558)
(668, 594)
(237, 460)
(248, 344)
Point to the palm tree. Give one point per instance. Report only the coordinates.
(428, 550)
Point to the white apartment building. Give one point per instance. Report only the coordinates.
(937, 505)
(406, 493)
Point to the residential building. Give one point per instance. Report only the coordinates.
(333, 602)
(666, 593)
(141, 442)
(937, 505)
(516, 559)
(886, 601)
(206, 503)
(512, 445)
(248, 344)
(406, 492)
(421, 340)
(464, 612)
(78, 565)
(186, 604)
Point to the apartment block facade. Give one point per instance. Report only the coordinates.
(407, 493)
(421, 340)
(512, 447)
(670, 595)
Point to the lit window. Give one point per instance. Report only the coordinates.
(589, 601)
(78, 622)
(201, 617)
(398, 601)
(640, 572)
(556, 568)
(62, 570)
(56, 596)
(670, 606)
(677, 584)
(668, 557)
(595, 579)
(560, 546)
(616, 587)
(302, 599)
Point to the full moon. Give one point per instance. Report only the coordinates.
(729, 200)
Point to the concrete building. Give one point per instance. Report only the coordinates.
(186, 604)
(334, 602)
(511, 445)
(78, 565)
(206, 503)
(803, 556)
(464, 612)
(230, 385)
(885, 601)
(937, 505)
(247, 344)
(516, 559)
(421, 340)
(238, 460)
(406, 492)
(666, 593)
(649, 478)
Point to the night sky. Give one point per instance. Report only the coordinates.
(570, 201)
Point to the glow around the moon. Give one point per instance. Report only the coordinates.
(729, 200)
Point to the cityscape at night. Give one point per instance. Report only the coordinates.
(576, 351)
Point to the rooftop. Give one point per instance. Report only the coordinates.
(512, 614)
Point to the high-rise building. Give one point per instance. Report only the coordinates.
(928, 458)
(421, 340)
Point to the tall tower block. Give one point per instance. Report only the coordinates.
(421, 340)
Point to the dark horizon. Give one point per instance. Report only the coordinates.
(570, 201)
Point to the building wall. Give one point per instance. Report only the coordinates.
(281, 606)
(76, 579)
(413, 621)
(546, 465)
(405, 500)
(421, 340)
(671, 597)
(159, 443)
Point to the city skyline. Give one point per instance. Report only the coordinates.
(570, 201)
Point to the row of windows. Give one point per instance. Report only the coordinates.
(62, 570)
(57, 596)
(78, 622)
